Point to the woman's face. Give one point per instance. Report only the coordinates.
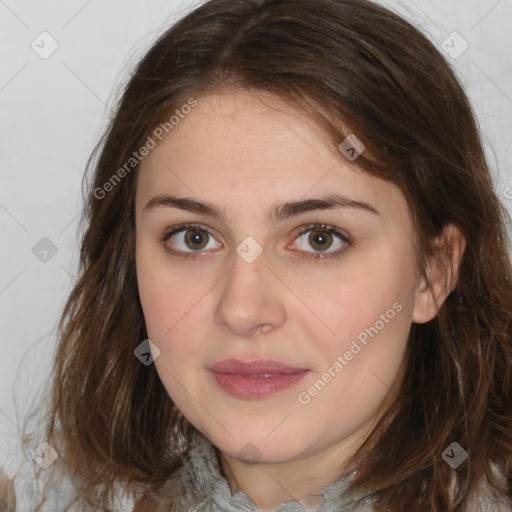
(277, 339)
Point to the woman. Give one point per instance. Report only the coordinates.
(292, 203)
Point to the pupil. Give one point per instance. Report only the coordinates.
(196, 239)
(320, 240)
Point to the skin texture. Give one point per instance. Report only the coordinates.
(244, 155)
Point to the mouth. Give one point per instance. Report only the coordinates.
(255, 379)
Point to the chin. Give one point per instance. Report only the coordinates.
(252, 447)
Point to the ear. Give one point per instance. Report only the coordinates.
(442, 271)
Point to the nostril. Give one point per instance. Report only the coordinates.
(263, 329)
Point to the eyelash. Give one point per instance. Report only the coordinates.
(318, 256)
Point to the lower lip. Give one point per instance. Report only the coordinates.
(257, 387)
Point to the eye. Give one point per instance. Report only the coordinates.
(326, 241)
(189, 239)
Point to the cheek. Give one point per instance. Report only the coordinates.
(357, 297)
(167, 298)
(172, 306)
(359, 362)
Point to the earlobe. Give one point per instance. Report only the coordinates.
(442, 273)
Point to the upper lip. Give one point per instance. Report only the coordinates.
(257, 367)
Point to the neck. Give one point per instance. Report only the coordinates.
(300, 479)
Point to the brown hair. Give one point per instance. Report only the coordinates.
(354, 67)
(7, 497)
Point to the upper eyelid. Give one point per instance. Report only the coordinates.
(179, 228)
(319, 226)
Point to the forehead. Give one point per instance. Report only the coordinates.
(238, 147)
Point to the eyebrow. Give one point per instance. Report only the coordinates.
(278, 211)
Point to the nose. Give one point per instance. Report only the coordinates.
(250, 301)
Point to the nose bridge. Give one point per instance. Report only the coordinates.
(248, 303)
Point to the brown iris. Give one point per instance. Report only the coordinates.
(320, 240)
(196, 239)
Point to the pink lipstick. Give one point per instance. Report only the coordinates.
(255, 379)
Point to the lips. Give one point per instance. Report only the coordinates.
(253, 368)
(255, 379)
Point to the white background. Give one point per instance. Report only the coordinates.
(52, 113)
